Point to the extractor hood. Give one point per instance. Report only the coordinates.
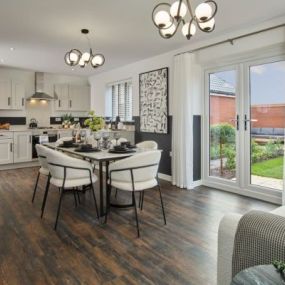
(39, 87)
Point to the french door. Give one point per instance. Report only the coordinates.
(244, 128)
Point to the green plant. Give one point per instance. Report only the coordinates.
(67, 118)
(230, 153)
(94, 123)
(222, 134)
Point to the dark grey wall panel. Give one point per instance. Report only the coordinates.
(13, 120)
(163, 141)
(196, 148)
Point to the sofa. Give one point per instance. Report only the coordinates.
(226, 236)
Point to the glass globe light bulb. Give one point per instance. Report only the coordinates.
(167, 33)
(73, 57)
(203, 12)
(174, 10)
(208, 26)
(185, 30)
(86, 56)
(97, 60)
(162, 19)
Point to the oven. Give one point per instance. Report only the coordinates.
(52, 137)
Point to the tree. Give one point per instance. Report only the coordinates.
(222, 134)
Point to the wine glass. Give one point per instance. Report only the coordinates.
(117, 136)
(106, 137)
(97, 137)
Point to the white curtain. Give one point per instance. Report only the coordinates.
(186, 85)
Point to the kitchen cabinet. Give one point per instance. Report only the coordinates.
(72, 97)
(22, 147)
(79, 98)
(12, 95)
(5, 94)
(61, 92)
(6, 148)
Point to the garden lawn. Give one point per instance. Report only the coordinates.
(272, 168)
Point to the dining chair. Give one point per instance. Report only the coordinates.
(135, 174)
(147, 145)
(68, 174)
(43, 170)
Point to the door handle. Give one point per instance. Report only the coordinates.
(59, 103)
(246, 120)
(11, 147)
(9, 101)
(23, 102)
(30, 139)
(237, 122)
(70, 103)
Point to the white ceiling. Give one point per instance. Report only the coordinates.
(41, 31)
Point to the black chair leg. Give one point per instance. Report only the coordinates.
(78, 197)
(58, 209)
(136, 213)
(108, 199)
(162, 206)
(45, 197)
(116, 193)
(94, 197)
(141, 200)
(75, 199)
(36, 186)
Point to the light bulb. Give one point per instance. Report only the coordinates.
(174, 10)
(66, 58)
(185, 30)
(167, 33)
(86, 56)
(82, 62)
(203, 12)
(73, 57)
(208, 26)
(162, 19)
(97, 60)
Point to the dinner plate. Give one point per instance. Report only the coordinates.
(121, 151)
(95, 149)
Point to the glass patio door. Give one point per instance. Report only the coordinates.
(223, 125)
(264, 124)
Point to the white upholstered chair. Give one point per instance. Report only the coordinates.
(149, 145)
(135, 174)
(41, 151)
(68, 173)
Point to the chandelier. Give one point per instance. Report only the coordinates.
(76, 57)
(167, 18)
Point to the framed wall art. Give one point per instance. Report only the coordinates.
(153, 89)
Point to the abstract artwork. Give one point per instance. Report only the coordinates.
(154, 101)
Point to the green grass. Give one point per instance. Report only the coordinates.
(272, 168)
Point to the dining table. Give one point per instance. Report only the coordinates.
(103, 158)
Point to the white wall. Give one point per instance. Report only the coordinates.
(219, 55)
(42, 112)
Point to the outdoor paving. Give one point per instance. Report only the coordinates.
(267, 182)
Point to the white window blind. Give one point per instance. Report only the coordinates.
(122, 98)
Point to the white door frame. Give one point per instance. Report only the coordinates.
(242, 185)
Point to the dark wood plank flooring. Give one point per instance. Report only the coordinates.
(84, 252)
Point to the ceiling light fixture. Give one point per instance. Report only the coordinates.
(76, 57)
(167, 18)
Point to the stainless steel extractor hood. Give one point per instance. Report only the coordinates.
(39, 89)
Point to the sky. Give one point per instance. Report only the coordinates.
(267, 82)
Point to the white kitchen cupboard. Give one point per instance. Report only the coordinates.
(6, 148)
(5, 94)
(61, 93)
(72, 97)
(12, 95)
(22, 147)
(79, 98)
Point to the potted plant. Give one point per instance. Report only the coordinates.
(94, 123)
(67, 120)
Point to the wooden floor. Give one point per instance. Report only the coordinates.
(84, 252)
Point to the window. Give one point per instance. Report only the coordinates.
(121, 101)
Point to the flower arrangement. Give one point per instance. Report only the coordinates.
(94, 123)
(67, 120)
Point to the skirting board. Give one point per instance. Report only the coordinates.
(19, 165)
